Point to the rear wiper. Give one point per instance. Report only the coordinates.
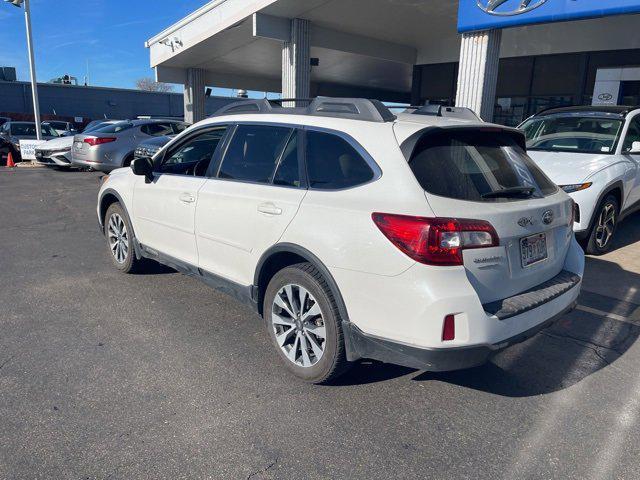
(513, 192)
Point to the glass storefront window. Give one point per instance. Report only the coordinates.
(510, 111)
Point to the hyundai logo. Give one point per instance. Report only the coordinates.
(547, 217)
(605, 97)
(514, 7)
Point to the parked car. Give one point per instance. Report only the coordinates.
(150, 147)
(593, 153)
(356, 233)
(113, 146)
(63, 128)
(12, 132)
(57, 152)
(4, 120)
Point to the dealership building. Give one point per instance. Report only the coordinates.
(506, 59)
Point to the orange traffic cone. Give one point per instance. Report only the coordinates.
(10, 162)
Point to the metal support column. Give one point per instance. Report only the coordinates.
(296, 68)
(194, 95)
(478, 72)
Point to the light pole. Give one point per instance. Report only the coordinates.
(32, 63)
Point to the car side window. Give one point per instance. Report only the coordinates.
(157, 129)
(194, 155)
(179, 127)
(332, 163)
(253, 153)
(288, 169)
(633, 134)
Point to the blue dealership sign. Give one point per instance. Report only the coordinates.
(489, 14)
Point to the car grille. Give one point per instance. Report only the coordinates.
(48, 153)
(146, 151)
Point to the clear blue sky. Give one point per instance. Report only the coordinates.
(110, 34)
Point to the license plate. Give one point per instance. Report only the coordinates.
(533, 249)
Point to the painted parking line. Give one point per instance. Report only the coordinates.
(602, 313)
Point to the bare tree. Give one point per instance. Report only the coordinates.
(150, 85)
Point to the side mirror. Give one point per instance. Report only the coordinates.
(635, 148)
(144, 167)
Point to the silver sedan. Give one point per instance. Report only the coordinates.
(113, 146)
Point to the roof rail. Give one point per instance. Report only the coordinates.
(443, 111)
(350, 108)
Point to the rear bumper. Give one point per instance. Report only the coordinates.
(103, 167)
(361, 345)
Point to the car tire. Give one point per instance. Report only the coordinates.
(120, 239)
(296, 330)
(604, 226)
(127, 161)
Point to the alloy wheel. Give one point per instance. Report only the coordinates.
(606, 225)
(298, 324)
(118, 238)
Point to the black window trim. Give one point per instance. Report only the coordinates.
(181, 140)
(221, 150)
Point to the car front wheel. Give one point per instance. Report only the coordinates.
(119, 236)
(604, 227)
(304, 324)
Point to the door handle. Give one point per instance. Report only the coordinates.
(187, 198)
(269, 209)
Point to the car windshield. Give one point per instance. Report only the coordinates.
(48, 130)
(581, 133)
(26, 129)
(114, 127)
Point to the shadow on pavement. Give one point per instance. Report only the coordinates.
(154, 268)
(628, 232)
(578, 345)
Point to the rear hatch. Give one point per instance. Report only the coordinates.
(483, 173)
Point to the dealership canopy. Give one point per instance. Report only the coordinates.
(369, 48)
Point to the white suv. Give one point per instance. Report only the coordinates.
(430, 241)
(593, 153)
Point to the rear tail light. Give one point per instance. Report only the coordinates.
(436, 241)
(449, 328)
(93, 141)
(575, 214)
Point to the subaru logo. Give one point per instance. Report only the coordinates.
(525, 221)
(513, 7)
(547, 217)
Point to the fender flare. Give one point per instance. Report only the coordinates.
(111, 191)
(606, 191)
(313, 260)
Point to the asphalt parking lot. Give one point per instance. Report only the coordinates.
(104, 375)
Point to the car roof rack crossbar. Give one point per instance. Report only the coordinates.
(350, 108)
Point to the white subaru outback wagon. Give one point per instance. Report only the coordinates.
(427, 239)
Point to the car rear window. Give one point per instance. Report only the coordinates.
(115, 127)
(477, 165)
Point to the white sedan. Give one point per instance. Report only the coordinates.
(593, 154)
